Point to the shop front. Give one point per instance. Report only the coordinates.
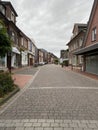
(24, 58)
(15, 57)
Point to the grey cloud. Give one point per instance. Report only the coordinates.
(50, 22)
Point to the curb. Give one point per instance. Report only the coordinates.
(20, 93)
(9, 96)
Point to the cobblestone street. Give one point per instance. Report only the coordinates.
(54, 99)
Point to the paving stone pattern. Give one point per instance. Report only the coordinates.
(27, 71)
(56, 100)
(48, 124)
(54, 104)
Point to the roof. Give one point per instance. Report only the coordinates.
(79, 25)
(14, 25)
(93, 47)
(76, 36)
(9, 3)
(91, 18)
(87, 49)
(43, 50)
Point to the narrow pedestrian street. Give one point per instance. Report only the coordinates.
(54, 99)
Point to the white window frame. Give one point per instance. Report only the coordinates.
(94, 32)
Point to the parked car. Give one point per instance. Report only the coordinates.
(41, 63)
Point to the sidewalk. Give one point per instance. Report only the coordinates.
(21, 80)
(53, 101)
(83, 73)
(22, 76)
(48, 124)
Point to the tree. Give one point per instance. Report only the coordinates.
(5, 42)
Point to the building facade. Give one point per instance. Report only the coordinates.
(24, 51)
(64, 57)
(90, 50)
(40, 56)
(76, 43)
(8, 16)
(31, 53)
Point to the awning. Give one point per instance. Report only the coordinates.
(15, 50)
(88, 49)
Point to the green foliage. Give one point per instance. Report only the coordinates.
(5, 42)
(6, 83)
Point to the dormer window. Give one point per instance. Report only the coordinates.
(94, 32)
(2, 9)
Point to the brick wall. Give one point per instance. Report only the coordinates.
(94, 23)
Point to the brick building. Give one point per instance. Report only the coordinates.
(23, 49)
(8, 16)
(64, 55)
(76, 43)
(90, 50)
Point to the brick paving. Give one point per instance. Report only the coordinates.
(47, 124)
(21, 80)
(93, 76)
(27, 71)
(23, 76)
(55, 100)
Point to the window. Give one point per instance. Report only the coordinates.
(94, 31)
(13, 36)
(12, 17)
(80, 42)
(22, 41)
(17, 40)
(77, 44)
(25, 43)
(74, 46)
(30, 46)
(2, 9)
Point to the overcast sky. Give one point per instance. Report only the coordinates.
(50, 22)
